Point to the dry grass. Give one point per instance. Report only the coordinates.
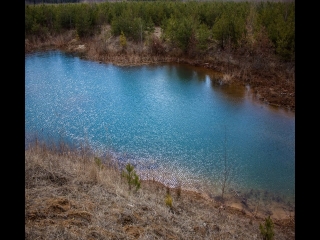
(67, 196)
(226, 79)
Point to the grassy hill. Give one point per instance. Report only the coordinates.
(71, 195)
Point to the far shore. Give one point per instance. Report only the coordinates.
(273, 84)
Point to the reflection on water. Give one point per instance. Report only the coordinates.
(172, 121)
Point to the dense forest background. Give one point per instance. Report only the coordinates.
(97, 1)
(260, 28)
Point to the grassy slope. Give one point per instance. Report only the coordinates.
(68, 197)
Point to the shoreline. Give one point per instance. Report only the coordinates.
(277, 211)
(69, 191)
(250, 202)
(274, 84)
(262, 93)
(246, 201)
(233, 202)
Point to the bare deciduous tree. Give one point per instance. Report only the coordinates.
(226, 167)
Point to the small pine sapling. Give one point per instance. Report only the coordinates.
(168, 200)
(131, 176)
(266, 230)
(98, 162)
(123, 40)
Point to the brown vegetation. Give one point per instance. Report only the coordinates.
(69, 196)
(272, 81)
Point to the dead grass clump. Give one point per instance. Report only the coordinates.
(226, 79)
(58, 205)
(133, 231)
(80, 215)
(93, 174)
(156, 46)
(59, 41)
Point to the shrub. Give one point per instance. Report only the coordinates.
(98, 162)
(180, 31)
(131, 176)
(157, 46)
(168, 200)
(178, 191)
(123, 40)
(266, 230)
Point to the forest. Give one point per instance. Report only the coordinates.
(193, 26)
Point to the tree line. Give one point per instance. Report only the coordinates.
(51, 1)
(192, 26)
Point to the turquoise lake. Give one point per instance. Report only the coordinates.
(168, 119)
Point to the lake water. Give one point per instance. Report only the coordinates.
(169, 120)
